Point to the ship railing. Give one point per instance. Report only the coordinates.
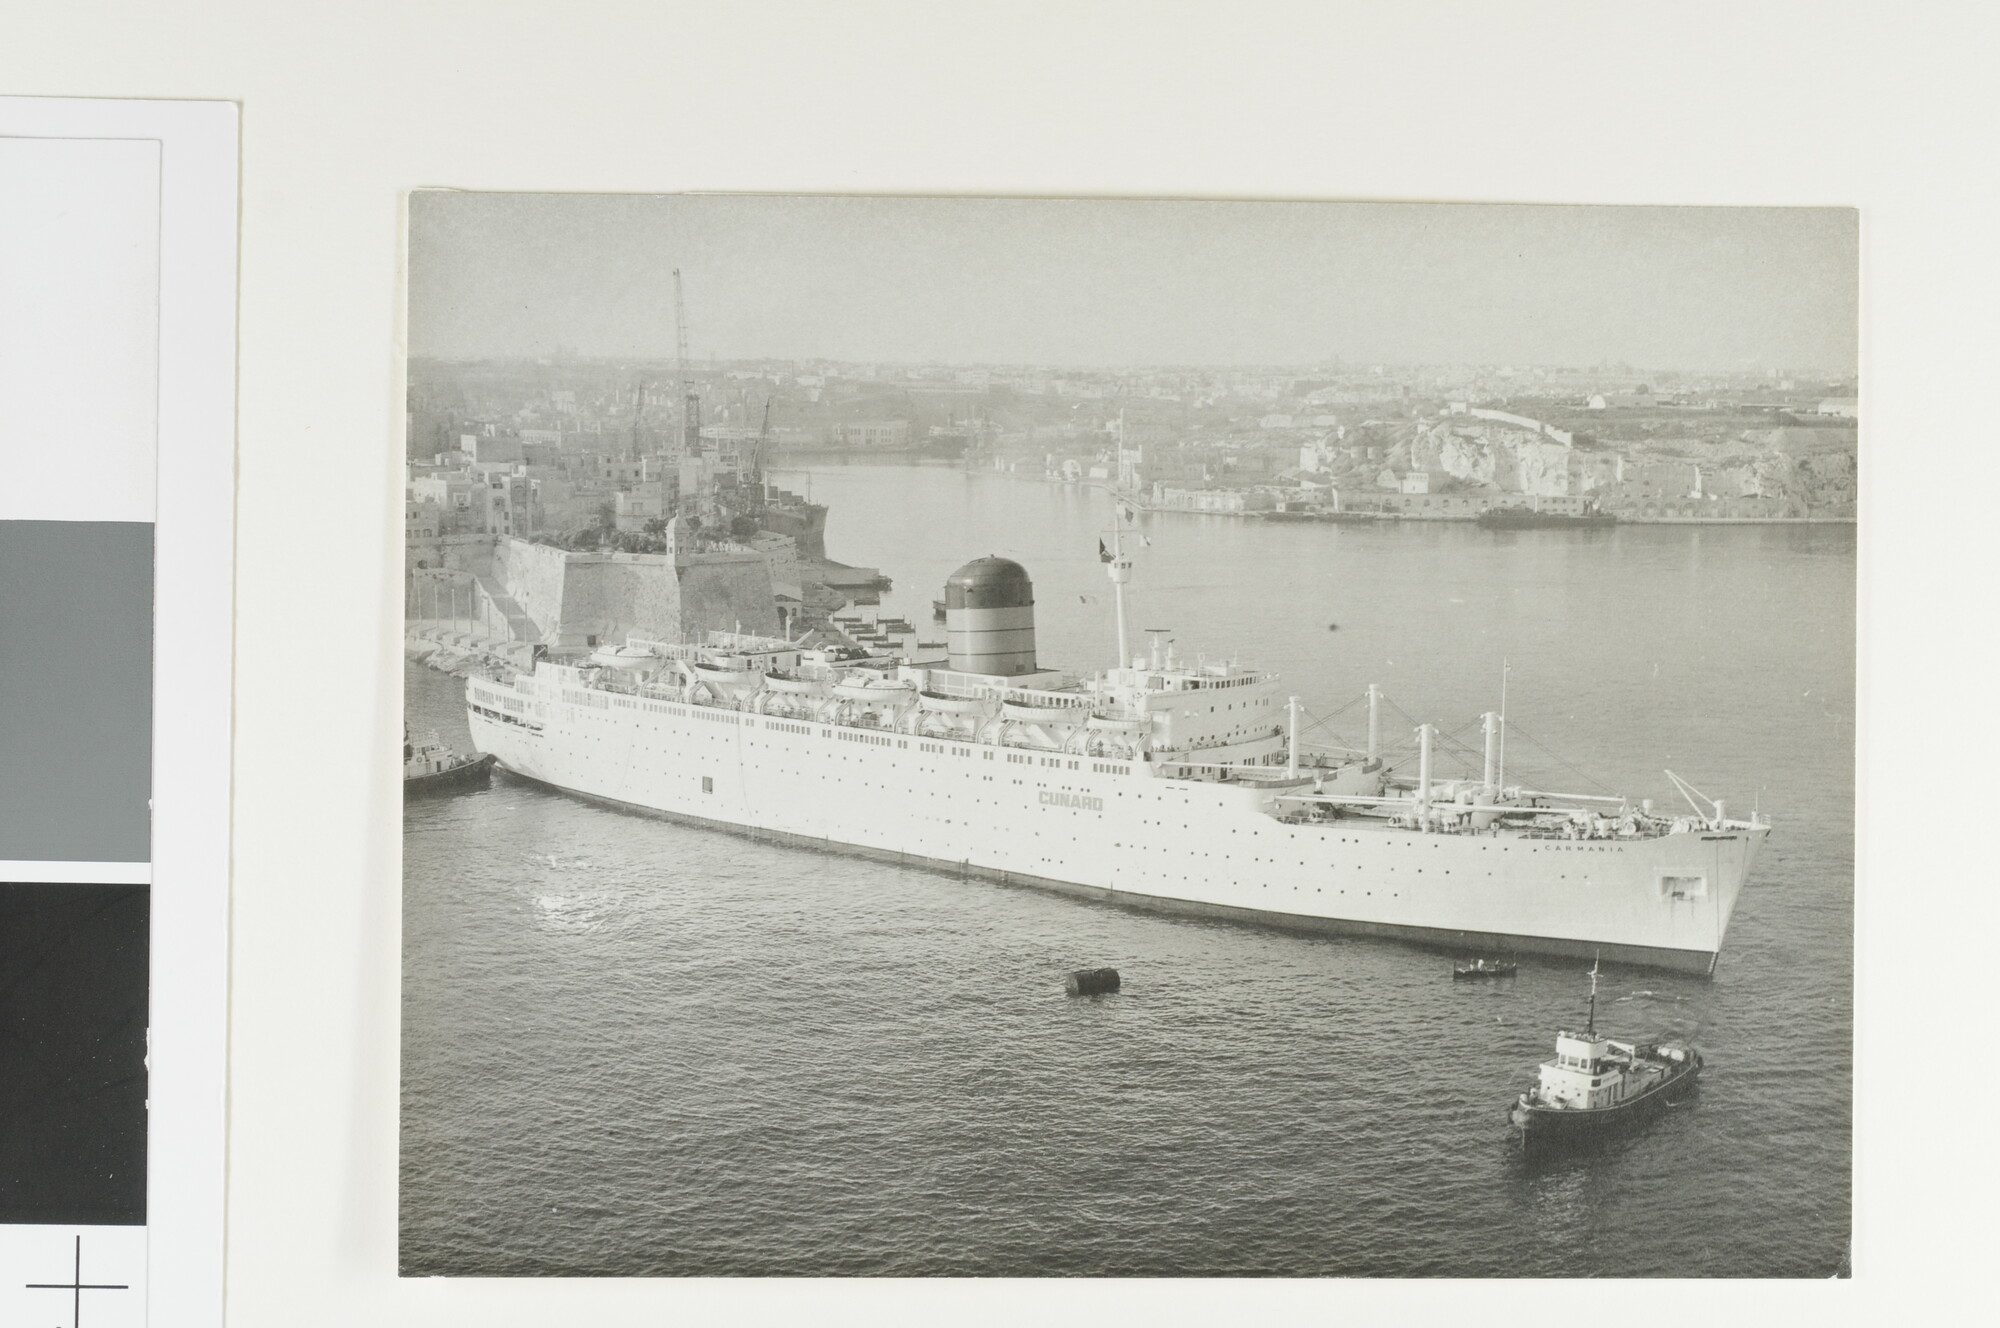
(950, 682)
(1028, 696)
(668, 649)
(749, 642)
(1629, 808)
(1545, 822)
(1262, 772)
(1571, 831)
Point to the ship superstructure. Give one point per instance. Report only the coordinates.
(1164, 782)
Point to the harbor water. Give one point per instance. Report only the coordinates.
(635, 1048)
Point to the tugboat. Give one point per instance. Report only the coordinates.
(431, 767)
(1598, 1084)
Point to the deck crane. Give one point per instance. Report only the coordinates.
(690, 399)
(757, 451)
(638, 412)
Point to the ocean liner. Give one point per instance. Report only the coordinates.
(1168, 783)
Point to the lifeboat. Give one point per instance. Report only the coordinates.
(727, 676)
(794, 686)
(950, 705)
(627, 658)
(725, 669)
(1115, 724)
(881, 692)
(1028, 713)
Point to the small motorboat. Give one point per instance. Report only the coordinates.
(1482, 968)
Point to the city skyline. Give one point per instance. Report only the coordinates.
(1114, 284)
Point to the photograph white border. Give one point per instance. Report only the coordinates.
(193, 552)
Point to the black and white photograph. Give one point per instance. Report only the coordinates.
(1005, 737)
(982, 663)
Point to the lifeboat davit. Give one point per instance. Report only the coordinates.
(730, 677)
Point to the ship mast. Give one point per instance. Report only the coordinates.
(1119, 568)
(1590, 1029)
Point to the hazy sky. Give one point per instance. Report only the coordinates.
(1115, 283)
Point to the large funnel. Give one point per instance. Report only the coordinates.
(989, 618)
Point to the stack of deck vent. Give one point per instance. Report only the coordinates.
(989, 618)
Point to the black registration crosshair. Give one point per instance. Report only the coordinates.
(76, 1286)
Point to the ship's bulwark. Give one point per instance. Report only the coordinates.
(1105, 830)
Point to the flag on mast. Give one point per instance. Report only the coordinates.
(1103, 554)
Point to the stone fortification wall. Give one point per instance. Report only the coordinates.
(622, 594)
(534, 576)
(460, 553)
(1503, 417)
(572, 597)
(718, 592)
(1562, 436)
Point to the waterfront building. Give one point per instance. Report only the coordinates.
(873, 435)
(1212, 500)
(422, 520)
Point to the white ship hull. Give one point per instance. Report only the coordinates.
(1109, 830)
